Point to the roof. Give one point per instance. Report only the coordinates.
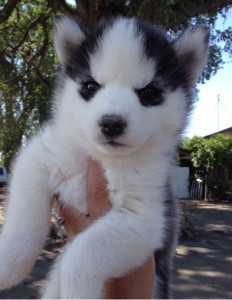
(227, 132)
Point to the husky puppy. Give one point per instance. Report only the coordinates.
(122, 98)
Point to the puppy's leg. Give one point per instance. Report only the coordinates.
(52, 289)
(26, 225)
(115, 244)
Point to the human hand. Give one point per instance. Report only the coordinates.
(138, 284)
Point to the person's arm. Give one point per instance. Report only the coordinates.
(138, 284)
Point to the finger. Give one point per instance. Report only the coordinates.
(74, 222)
(98, 201)
(141, 279)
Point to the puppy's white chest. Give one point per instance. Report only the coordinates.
(72, 187)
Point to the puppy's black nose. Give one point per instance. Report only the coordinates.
(112, 125)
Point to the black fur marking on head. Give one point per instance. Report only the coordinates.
(78, 67)
(78, 63)
(150, 95)
(167, 68)
(160, 50)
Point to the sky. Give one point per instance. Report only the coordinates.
(211, 115)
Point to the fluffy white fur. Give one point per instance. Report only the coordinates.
(56, 161)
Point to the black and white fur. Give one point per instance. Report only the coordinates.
(123, 97)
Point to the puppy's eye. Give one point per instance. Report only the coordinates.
(89, 89)
(91, 86)
(150, 95)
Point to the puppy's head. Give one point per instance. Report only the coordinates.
(126, 85)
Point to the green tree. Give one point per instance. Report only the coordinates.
(213, 154)
(27, 67)
(28, 64)
(208, 154)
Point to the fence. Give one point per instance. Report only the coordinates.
(197, 189)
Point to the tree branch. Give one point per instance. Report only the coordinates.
(183, 10)
(39, 20)
(201, 7)
(208, 6)
(7, 10)
(61, 5)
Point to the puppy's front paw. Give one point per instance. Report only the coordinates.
(80, 277)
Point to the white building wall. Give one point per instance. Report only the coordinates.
(180, 181)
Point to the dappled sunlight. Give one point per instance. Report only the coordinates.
(192, 288)
(203, 264)
(212, 274)
(229, 259)
(219, 207)
(218, 227)
(182, 250)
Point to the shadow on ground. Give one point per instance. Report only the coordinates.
(203, 264)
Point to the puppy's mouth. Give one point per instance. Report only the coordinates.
(114, 147)
(114, 143)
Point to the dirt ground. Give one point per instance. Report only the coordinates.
(203, 263)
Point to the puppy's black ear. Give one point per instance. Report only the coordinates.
(192, 49)
(68, 35)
